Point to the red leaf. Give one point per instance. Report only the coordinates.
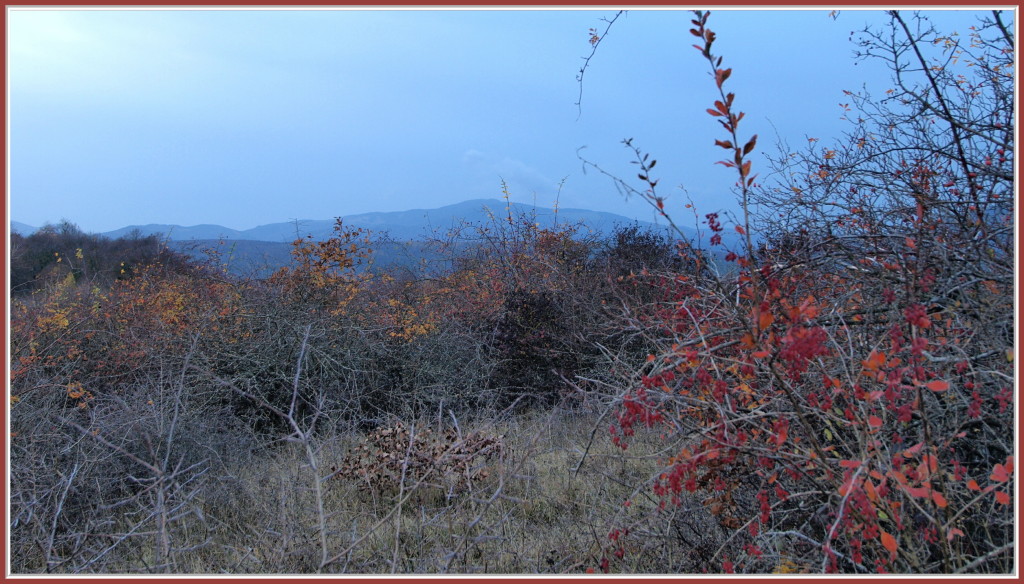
(714, 112)
(850, 463)
(740, 230)
(953, 532)
(721, 75)
(845, 487)
(939, 499)
(750, 145)
(780, 438)
(973, 485)
(761, 354)
(913, 450)
(1003, 497)
(999, 474)
(874, 421)
(937, 385)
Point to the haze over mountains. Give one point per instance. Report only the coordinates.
(415, 224)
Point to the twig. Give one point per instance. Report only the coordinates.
(595, 41)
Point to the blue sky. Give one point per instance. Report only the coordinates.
(248, 117)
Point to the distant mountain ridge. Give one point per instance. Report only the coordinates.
(22, 228)
(408, 225)
(261, 250)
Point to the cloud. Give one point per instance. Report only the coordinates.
(523, 180)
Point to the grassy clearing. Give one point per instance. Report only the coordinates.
(543, 508)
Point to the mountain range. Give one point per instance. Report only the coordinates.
(415, 224)
(261, 249)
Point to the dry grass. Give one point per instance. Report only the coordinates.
(543, 508)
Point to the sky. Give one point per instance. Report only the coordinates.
(247, 117)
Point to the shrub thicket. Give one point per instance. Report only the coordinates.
(839, 399)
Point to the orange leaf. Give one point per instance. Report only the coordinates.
(869, 490)
(953, 532)
(740, 230)
(939, 499)
(889, 542)
(900, 477)
(1009, 464)
(765, 320)
(808, 309)
(874, 361)
(973, 485)
(1003, 497)
(745, 169)
(937, 385)
(919, 492)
